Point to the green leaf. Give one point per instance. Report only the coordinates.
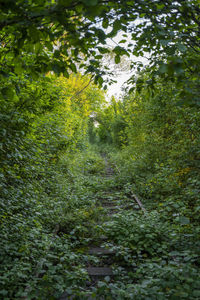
(123, 41)
(73, 67)
(105, 23)
(3, 292)
(174, 253)
(103, 50)
(8, 92)
(34, 33)
(131, 90)
(116, 27)
(182, 48)
(107, 278)
(100, 80)
(184, 221)
(117, 59)
(163, 68)
(49, 46)
(56, 53)
(117, 49)
(101, 35)
(165, 42)
(196, 293)
(90, 2)
(38, 48)
(18, 69)
(98, 56)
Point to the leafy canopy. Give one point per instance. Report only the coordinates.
(57, 35)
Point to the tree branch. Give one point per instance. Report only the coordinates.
(139, 203)
(79, 92)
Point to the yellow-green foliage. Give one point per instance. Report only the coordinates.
(160, 140)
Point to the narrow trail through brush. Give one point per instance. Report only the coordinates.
(106, 256)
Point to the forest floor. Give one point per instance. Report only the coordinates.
(104, 264)
(129, 252)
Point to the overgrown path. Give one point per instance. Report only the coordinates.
(125, 252)
(81, 234)
(104, 265)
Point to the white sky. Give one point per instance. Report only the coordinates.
(115, 89)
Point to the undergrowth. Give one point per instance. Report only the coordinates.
(48, 228)
(45, 221)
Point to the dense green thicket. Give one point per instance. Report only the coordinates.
(156, 132)
(45, 227)
(40, 121)
(51, 183)
(48, 178)
(159, 138)
(45, 119)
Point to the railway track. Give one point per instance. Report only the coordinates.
(104, 269)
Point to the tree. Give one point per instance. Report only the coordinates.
(56, 35)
